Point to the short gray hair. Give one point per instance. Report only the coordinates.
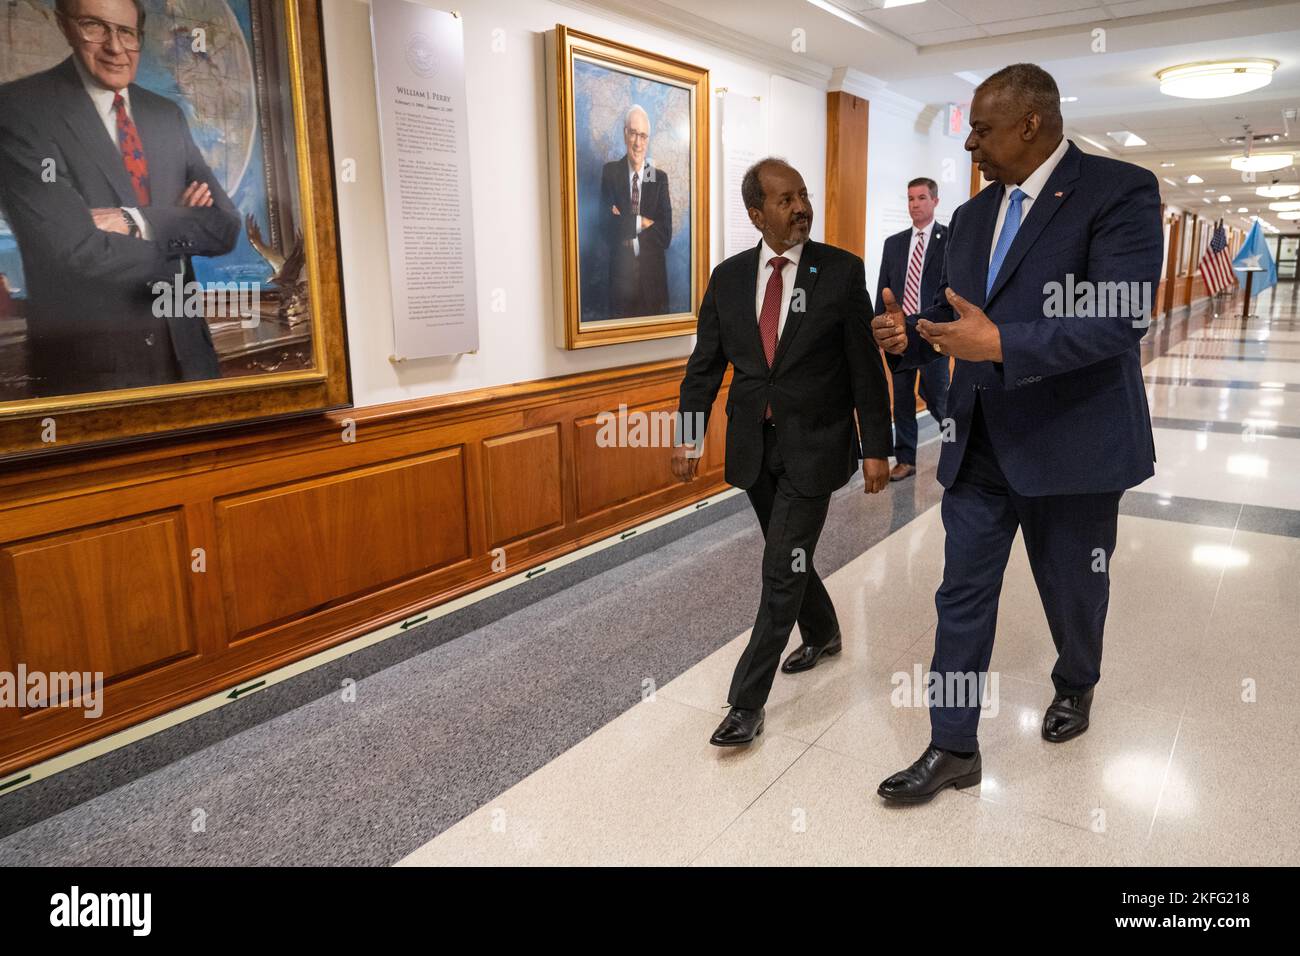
(1032, 88)
(751, 186)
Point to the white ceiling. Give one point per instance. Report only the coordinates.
(916, 50)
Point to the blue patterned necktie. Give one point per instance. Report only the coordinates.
(1010, 226)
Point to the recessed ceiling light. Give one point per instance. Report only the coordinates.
(1069, 99)
(1289, 216)
(1170, 181)
(1210, 80)
(1225, 199)
(1261, 162)
(1127, 138)
(1205, 199)
(1241, 209)
(974, 79)
(1209, 189)
(1290, 206)
(1193, 179)
(1166, 165)
(1277, 190)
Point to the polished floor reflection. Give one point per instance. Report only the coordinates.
(1190, 757)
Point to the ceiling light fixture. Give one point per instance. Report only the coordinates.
(1261, 162)
(1127, 138)
(1211, 80)
(1193, 179)
(1289, 216)
(1277, 190)
(1288, 206)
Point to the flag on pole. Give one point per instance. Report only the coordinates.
(1216, 264)
(1254, 254)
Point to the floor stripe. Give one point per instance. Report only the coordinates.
(1222, 383)
(1283, 522)
(1262, 426)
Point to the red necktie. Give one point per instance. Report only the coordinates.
(912, 292)
(769, 315)
(128, 141)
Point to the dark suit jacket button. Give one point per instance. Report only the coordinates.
(148, 339)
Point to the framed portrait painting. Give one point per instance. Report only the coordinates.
(168, 256)
(629, 145)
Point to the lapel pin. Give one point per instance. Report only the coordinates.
(1059, 195)
(812, 270)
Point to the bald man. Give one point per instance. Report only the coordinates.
(636, 216)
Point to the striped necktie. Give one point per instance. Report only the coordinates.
(912, 292)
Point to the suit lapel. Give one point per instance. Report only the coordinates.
(805, 277)
(987, 219)
(748, 275)
(78, 112)
(933, 253)
(1054, 193)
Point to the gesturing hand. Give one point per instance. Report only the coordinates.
(890, 328)
(973, 336)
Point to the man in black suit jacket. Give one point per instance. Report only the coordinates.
(1050, 414)
(636, 219)
(791, 316)
(924, 243)
(107, 194)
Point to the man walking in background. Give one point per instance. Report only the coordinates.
(791, 316)
(910, 267)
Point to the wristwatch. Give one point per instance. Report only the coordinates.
(132, 228)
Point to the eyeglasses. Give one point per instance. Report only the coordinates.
(93, 30)
(634, 134)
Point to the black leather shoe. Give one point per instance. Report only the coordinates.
(738, 728)
(805, 656)
(1067, 717)
(932, 772)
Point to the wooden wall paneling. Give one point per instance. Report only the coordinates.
(523, 484)
(294, 549)
(846, 171)
(309, 541)
(110, 598)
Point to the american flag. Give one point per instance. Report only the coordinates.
(1216, 264)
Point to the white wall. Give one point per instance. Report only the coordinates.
(906, 140)
(510, 185)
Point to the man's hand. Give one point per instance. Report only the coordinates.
(973, 336)
(112, 219)
(614, 210)
(875, 474)
(196, 194)
(890, 328)
(684, 462)
(646, 223)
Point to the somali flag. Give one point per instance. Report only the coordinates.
(1254, 253)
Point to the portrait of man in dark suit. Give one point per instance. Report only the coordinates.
(637, 224)
(107, 194)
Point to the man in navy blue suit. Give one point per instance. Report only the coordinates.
(910, 268)
(1051, 417)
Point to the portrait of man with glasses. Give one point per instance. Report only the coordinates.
(106, 193)
(637, 216)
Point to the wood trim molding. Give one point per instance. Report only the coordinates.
(846, 172)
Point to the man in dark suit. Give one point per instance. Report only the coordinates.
(1050, 412)
(791, 316)
(106, 193)
(910, 267)
(636, 217)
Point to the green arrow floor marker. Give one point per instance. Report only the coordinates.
(239, 692)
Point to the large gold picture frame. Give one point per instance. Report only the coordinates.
(607, 98)
(305, 377)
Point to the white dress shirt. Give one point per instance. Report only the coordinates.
(1031, 187)
(788, 272)
(102, 100)
(634, 176)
